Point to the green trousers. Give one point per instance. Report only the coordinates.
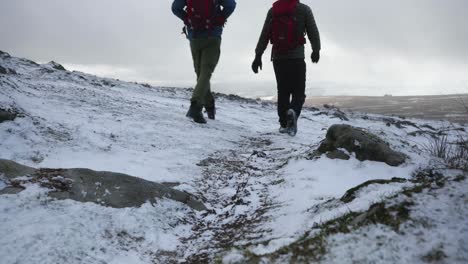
(205, 54)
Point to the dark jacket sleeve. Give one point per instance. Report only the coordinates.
(178, 9)
(264, 36)
(312, 30)
(228, 7)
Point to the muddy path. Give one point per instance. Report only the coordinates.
(234, 186)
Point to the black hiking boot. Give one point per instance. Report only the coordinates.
(211, 110)
(195, 112)
(292, 123)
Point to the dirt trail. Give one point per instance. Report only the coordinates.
(235, 187)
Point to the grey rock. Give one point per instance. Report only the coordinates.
(57, 66)
(365, 145)
(399, 123)
(11, 190)
(351, 194)
(6, 116)
(4, 54)
(105, 188)
(11, 169)
(4, 70)
(341, 115)
(333, 112)
(337, 154)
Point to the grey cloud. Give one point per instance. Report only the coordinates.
(145, 36)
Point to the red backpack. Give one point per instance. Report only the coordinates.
(202, 14)
(284, 34)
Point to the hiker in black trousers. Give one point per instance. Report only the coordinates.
(285, 27)
(291, 81)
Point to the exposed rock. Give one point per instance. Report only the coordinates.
(30, 62)
(429, 127)
(259, 154)
(4, 54)
(365, 145)
(7, 116)
(398, 123)
(436, 255)
(392, 216)
(341, 115)
(338, 154)
(107, 83)
(83, 185)
(11, 169)
(424, 132)
(334, 112)
(56, 66)
(350, 195)
(311, 108)
(11, 190)
(4, 70)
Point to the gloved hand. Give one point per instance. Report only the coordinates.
(315, 56)
(257, 63)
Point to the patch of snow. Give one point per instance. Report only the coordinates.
(233, 257)
(438, 226)
(23, 178)
(311, 183)
(36, 229)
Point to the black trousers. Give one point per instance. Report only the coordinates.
(291, 81)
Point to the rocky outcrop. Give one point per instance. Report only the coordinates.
(83, 185)
(365, 145)
(4, 54)
(56, 66)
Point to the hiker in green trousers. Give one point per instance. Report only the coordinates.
(204, 22)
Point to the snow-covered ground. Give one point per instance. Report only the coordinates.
(437, 233)
(259, 185)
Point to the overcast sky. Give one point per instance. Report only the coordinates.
(369, 47)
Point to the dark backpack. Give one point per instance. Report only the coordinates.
(202, 14)
(284, 33)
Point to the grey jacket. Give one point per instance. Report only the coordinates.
(306, 24)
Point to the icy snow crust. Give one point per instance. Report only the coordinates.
(261, 190)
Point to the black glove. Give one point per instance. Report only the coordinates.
(315, 56)
(257, 63)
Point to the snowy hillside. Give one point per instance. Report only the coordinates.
(264, 191)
